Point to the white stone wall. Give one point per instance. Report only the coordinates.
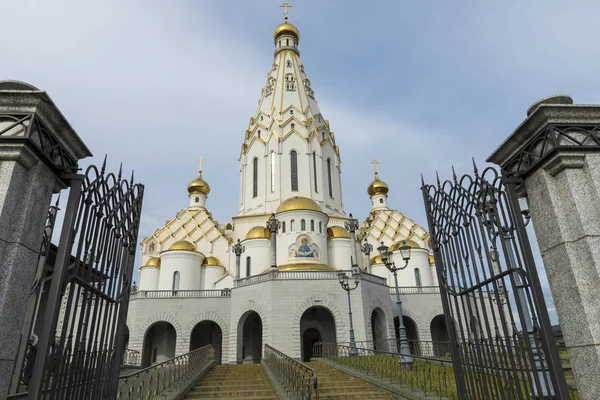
(259, 251)
(149, 276)
(340, 253)
(187, 263)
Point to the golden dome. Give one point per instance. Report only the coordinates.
(182, 245)
(153, 262)
(431, 259)
(198, 186)
(376, 260)
(336, 232)
(298, 203)
(286, 28)
(211, 262)
(306, 267)
(259, 232)
(411, 243)
(377, 186)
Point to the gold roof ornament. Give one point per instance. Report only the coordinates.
(258, 232)
(431, 259)
(337, 232)
(407, 242)
(377, 186)
(182, 245)
(199, 185)
(286, 27)
(211, 262)
(298, 203)
(153, 262)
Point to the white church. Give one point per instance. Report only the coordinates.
(281, 288)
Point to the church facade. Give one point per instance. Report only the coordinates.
(241, 285)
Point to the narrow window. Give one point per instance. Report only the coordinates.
(329, 177)
(261, 117)
(380, 201)
(283, 227)
(273, 171)
(293, 126)
(312, 225)
(247, 266)
(292, 225)
(255, 177)
(294, 169)
(302, 225)
(259, 134)
(320, 227)
(418, 277)
(315, 171)
(197, 200)
(291, 112)
(176, 280)
(287, 42)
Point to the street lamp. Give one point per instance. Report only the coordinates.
(273, 224)
(346, 285)
(351, 226)
(367, 249)
(238, 249)
(406, 359)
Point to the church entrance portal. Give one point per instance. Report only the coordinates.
(379, 330)
(250, 338)
(316, 324)
(159, 343)
(439, 336)
(411, 333)
(205, 333)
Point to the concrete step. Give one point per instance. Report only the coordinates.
(231, 394)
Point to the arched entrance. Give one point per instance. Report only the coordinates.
(205, 333)
(412, 333)
(249, 338)
(316, 324)
(439, 336)
(379, 330)
(159, 343)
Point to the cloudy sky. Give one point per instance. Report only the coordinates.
(419, 85)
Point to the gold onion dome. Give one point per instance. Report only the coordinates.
(286, 28)
(336, 232)
(259, 232)
(211, 262)
(153, 262)
(298, 203)
(183, 245)
(377, 186)
(411, 243)
(376, 260)
(198, 186)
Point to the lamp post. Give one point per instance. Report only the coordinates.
(238, 249)
(367, 249)
(487, 208)
(346, 285)
(273, 224)
(351, 226)
(406, 359)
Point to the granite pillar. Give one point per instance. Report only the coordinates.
(37, 147)
(555, 154)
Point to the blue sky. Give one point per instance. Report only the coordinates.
(420, 85)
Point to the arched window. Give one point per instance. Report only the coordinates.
(283, 227)
(255, 177)
(294, 169)
(329, 177)
(418, 277)
(291, 112)
(259, 133)
(176, 280)
(380, 201)
(315, 171)
(312, 225)
(197, 200)
(248, 266)
(320, 227)
(293, 126)
(292, 225)
(302, 225)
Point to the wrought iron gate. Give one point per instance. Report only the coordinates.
(82, 325)
(502, 345)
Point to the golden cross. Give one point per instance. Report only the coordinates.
(375, 162)
(285, 6)
(201, 160)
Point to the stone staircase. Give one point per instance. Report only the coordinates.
(334, 384)
(245, 381)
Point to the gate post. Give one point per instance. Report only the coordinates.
(37, 145)
(556, 154)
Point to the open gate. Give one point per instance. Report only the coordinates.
(80, 323)
(501, 341)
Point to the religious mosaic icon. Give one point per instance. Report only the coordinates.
(304, 248)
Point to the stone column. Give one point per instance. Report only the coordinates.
(37, 147)
(556, 154)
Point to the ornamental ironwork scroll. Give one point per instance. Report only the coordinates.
(82, 332)
(501, 341)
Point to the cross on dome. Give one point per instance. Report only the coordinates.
(201, 161)
(375, 162)
(285, 5)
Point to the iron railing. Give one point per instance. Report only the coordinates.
(153, 294)
(423, 348)
(427, 375)
(303, 275)
(298, 379)
(415, 290)
(132, 358)
(168, 376)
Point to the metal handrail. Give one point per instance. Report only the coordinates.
(415, 289)
(427, 375)
(170, 375)
(143, 294)
(298, 379)
(423, 348)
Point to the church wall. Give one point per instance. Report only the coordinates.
(421, 308)
(291, 239)
(340, 253)
(187, 263)
(149, 278)
(419, 258)
(211, 274)
(259, 251)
